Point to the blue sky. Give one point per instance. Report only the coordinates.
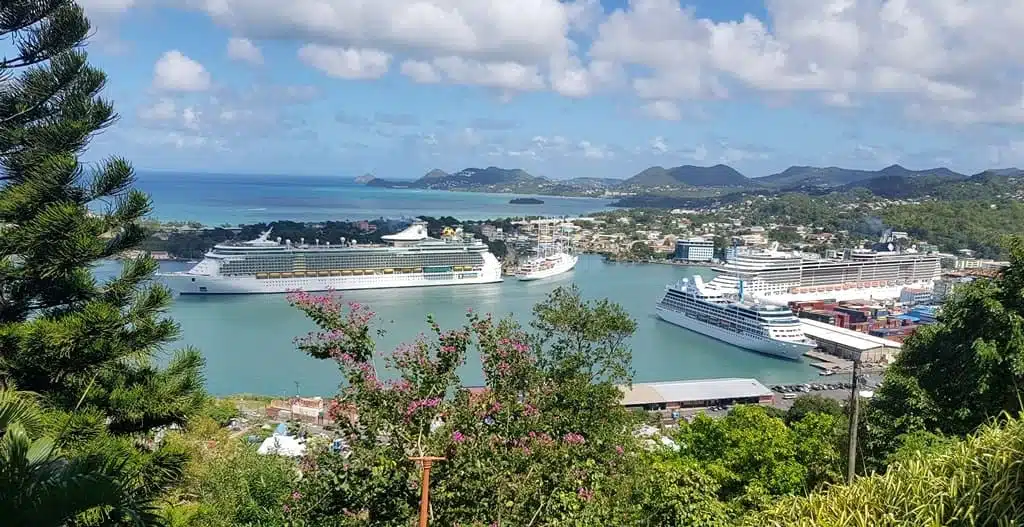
(562, 89)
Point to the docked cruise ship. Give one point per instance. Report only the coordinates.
(409, 259)
(782, 277)
(551, 260)
(764, 328)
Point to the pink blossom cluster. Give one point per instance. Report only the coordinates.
(320, 303)
(407, 355)
(400, 386)
(530, 410)
(585, 494)
(358, 315)
(541, 438)
(458, 437)
(573, 438)
(369, 376)
(422, 403)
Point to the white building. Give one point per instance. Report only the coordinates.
(695, 250)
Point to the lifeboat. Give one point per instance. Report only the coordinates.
(346, 272)
(279, 275)
(335, 273)
(389, 271)
(261, 276)
(418, 270)
(323, 273)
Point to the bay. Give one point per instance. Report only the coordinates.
(215, 199)
(248, 344)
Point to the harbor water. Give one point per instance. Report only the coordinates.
(214, 199)
(247, 340)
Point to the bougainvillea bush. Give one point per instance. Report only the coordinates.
(544, 441)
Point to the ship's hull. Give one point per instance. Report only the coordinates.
(777, 348)
(565, 264)
(195, 284)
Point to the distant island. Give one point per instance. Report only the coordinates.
(689, 185)
(526, 201)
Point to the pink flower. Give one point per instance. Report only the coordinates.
(296, 495)
(458, 437)
(585, 494)
(573, 439)
(619, 450)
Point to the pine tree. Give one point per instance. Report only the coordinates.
(87, 348)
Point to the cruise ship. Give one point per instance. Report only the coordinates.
(409, 259)
(551, 260)
(764, 328)
(782, 277)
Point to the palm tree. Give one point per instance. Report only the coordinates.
(41, 487)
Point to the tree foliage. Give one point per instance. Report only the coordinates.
(981, 226)
(755, 457)
(84, 347)
(955, 375)
(972, 482)
(812, 403)
(544, 442)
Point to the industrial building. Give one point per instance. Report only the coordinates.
(695, 250)
(849, 344)
(702, 393)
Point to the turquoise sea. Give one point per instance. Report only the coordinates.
(247, 340)
(214, 199)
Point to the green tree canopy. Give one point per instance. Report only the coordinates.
(86, 348)
(957, 374)
(813, 403)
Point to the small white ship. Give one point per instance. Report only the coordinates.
(551, 260)
(764, 328)
(410, 259)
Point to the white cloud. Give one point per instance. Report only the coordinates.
(658, 145)
(663, 109)
(592, 151)
(97, 7)
(947, 56)
(162, 110)
(176, 72)
(346, 63)
(942, 60)
(421, 72)
(244, 50)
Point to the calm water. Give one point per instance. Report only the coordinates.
(217, 199)
(247, 340)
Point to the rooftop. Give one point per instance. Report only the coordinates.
(698, 390)
(845, 337)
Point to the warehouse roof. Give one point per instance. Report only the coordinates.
(845, 337)
(699, 390)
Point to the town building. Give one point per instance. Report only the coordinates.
(915, 296)
(977, 263)
(702, 393)
(695, 250)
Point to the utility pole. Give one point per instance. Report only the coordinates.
(854, 414)
(426, 461)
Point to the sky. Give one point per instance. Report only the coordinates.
(559, 88)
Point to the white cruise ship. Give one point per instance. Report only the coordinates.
(410, 259)
(764, 328)
(782, 277)
(551, 260)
